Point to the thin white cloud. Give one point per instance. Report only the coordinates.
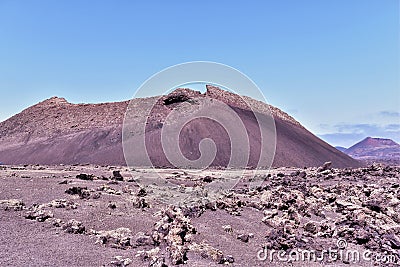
(387, 113)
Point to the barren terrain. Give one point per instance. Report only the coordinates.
(87, 215)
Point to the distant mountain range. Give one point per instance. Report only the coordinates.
(374, 150)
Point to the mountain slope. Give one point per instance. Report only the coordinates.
(341, 148)
(55, 131)
(375, 149)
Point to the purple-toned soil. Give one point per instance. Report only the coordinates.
(88, 215)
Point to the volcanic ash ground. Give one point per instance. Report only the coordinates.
(99, 216)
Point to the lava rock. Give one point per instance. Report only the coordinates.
(325, 166)
(38, 214)
(84, 176)
(393, 240)
(175, 98)
(142, 192)
(77, 190)
(227, 228)
(112, 205)
(119, 261)
(12, 204)
(302, 174)
(362, 237)
(227, 259)
(373, 205)
(243, 237)
(140, 203)
(118, 238)
(117, 176)
(208, 179)
(311, 227)
(141, 239)
(62, 203)
(73, 227)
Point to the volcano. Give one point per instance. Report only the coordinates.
(373, 149)
(58, 132)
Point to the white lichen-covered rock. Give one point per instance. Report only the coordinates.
(73, 227)
(62, 203)
(120, 261)
(118, 238)
(153, 256)
(208, 251)
(38, 213)
(141, 239)
(176, 231)
(227, 228)
(12, 204)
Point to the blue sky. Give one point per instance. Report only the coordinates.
(333, 65)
